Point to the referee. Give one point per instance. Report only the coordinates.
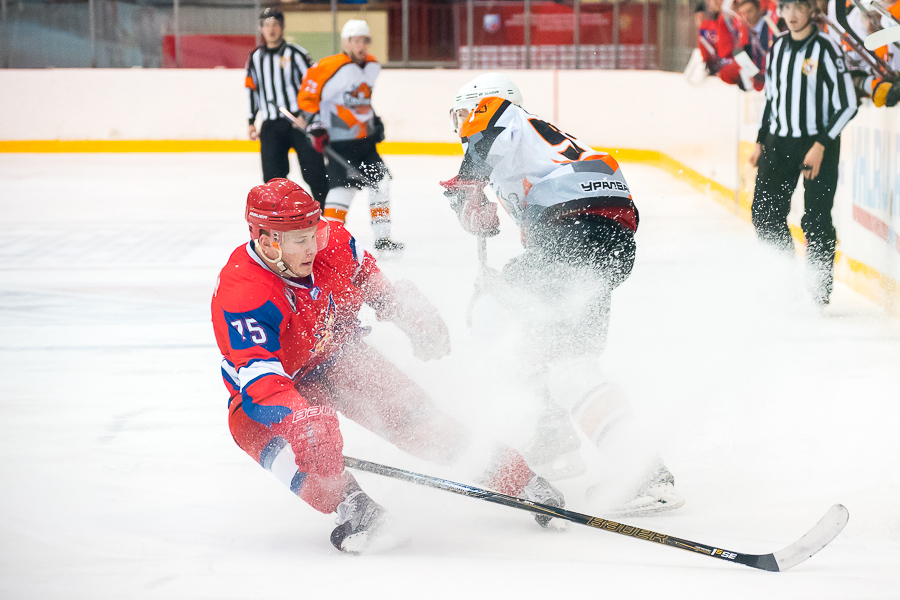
(809, 100)
(274, 73)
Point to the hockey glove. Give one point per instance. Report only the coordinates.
(319, 136)
(886, 93)
(476, 214)
(377, 130)
(893, 95)
(480, 218)
(318, 445)
(419, 320)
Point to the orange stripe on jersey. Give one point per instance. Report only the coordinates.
(349, 118)
(316, 78)
(607, 158)
(248, 82)
(479, 118)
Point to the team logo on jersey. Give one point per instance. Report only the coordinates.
(325, 332)
(314, 293)
(492, 23)
(359, 98)
(291, 298)
(809, 66)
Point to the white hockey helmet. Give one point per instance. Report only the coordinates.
(354, 28)
(489, 84)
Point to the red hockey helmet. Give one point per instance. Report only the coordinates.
(280, 205)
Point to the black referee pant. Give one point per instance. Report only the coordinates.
(780, 166)
(276, 138)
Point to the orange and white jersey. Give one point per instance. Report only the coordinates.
(532, 166)
(341, 92)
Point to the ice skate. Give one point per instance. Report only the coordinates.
(819, 283)
(539, 490)
(359, 519)
(388, 245)
(657, 494)
(553, 452)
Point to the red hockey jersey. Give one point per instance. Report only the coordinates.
(271, 330)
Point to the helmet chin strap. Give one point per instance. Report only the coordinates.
(276, 264)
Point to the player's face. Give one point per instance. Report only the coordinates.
(358, 47)
(749, 13)
(298, 250)
(272, 31)
(458, 117)
(796, 15)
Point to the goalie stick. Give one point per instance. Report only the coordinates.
(815, 539)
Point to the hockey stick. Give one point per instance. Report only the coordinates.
(858, 45)
(883, 37)
(330, 152)
(815, 539)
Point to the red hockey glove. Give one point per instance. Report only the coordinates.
(480, 218)
(415, 316)
(318, 445)
(459, 191)
(476, 214)
(759, 81)
(319, 136)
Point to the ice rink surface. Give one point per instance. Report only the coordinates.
(119, 479)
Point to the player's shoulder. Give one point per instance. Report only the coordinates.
(341, 244)
(243, 283)
(831, 45)
(252, 54)
(486, 114)
(329, 65)
(371, 60)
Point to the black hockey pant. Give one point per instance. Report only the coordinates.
(780, 166)
(276, 139)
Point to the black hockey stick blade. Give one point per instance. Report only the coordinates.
(815, 539)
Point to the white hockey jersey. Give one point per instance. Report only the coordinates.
(341, 92)
(538, 171)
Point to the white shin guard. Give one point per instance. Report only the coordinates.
(379, 205)
(339, 198)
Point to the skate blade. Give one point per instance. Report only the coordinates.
(654, 507)
(389, 254)
(556, 525)
(367, 542)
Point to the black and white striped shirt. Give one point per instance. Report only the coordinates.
(273, 79)
(809, 92)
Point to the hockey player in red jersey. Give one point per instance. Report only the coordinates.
(285, 319)
(577, 222)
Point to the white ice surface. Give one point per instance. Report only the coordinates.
(119, 479)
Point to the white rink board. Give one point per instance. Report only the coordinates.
(629, 109)
(699, 126)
